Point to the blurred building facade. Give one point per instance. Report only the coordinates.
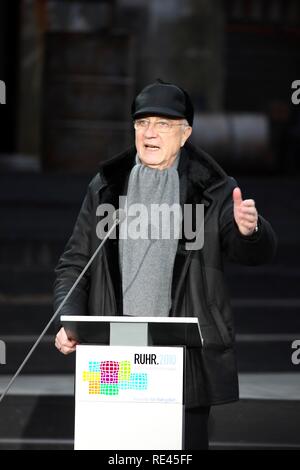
(73, 67)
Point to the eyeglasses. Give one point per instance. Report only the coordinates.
(159, 126)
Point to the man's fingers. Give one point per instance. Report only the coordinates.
(249, 202)
(251, 222)
(237, 196)
(248, 215)
(247, 210)
(63, 338)
(247, 225)
(63, 343)
(66, 350)
(245, 213)
(63, 335)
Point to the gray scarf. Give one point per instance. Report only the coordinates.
(147, 264)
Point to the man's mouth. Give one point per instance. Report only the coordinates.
(151, 147)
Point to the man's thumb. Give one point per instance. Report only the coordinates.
(237, 196)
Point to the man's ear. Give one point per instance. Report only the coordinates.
(186, 134)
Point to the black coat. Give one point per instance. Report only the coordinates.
(198, 285)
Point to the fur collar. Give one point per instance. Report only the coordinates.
(201, 170)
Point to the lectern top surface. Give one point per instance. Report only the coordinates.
(160, 331)
(95, 318)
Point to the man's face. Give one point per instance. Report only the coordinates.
(159, 139)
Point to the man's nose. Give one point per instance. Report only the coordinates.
(151, 130)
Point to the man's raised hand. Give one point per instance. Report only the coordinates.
(245, 213)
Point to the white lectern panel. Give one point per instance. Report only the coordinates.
(128, 397)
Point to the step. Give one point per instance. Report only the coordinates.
(255, 353)
(30, 187)
(20, 280)
(36, 444)
(39, 413)
(263, 281)
(266, 316)
(43, 189)
(287, 256)
(41, 417)
(243, 281)
(251, 316)
(256, 424)
(46, 359)
(32, 253)
(20, 251)
(19, 221)
(26, 315)
(48, 203)
(265, 353)
(37, 223)
(266, 417)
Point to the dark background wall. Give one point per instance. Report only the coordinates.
(9, 60)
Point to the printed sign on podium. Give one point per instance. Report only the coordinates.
(129, 397)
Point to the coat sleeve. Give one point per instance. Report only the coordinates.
(256, 249)
(71, 263)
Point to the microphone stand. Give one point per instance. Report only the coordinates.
(119, 216)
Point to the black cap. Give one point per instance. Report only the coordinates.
(163, 99)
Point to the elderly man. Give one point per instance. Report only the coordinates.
(165, 278)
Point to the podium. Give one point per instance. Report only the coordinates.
(129, 387)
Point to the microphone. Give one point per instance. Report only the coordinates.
(118, 217)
